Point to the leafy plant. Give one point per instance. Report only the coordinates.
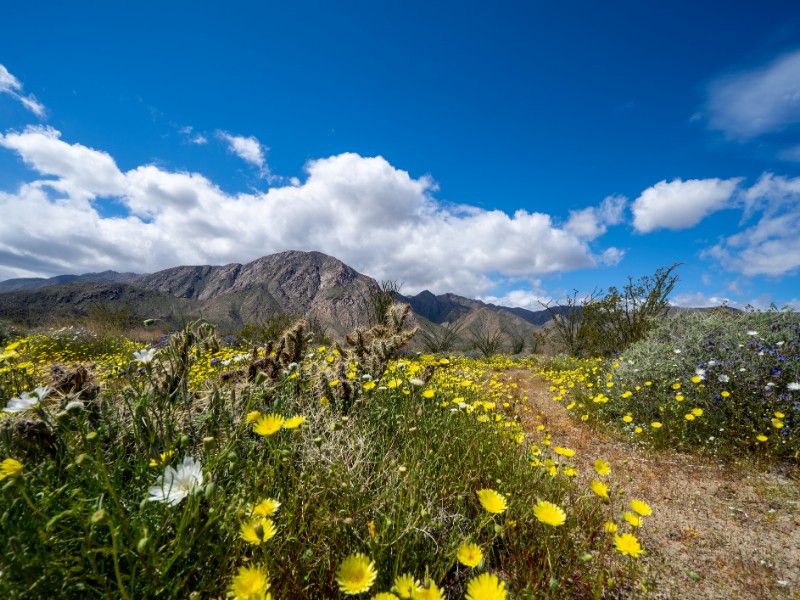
(603, 325)
(382, 300)
(441, 338)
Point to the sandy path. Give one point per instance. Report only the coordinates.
(716, 531)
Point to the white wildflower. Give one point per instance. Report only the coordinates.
(723, 379)
(144, 356)
(794, 386)
(24, 402)
(174, 485)
(42, 392)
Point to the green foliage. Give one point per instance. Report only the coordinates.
(267, 330)
(382, 301)
(720, 382)
(486, 338)
(441, 338)
(109, 319)
(603, 325)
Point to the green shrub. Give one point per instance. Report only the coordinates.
(741, 369)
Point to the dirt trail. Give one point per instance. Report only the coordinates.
(716, 531)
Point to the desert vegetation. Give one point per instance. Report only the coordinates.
(288, 467)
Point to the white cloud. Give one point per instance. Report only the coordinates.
(10, 85)
(531, 299)
(364, 211)
(771, 246)
(249, 149)
(681, 204)
(80, 171)
(592, 222)
(763, 100)
(191, 137)
(700, 300)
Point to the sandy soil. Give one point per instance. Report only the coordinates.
(717, 531)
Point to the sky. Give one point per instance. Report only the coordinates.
(513, 152)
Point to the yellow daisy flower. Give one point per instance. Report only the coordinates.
(469, 555)
(257, 530)
(356, 574)
(266, 508)
(294, 422)
(432, 592)
(641, 507)
(405, 585)
(633, 519)
(268, 424)
(250, 583)
(602, 467)
(486, 586)
(492, 501)
(599, 488)
(10, 467)
(549, 513)
(628, 544)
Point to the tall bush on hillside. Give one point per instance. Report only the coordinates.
(602, 325)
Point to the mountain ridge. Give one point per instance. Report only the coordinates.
(303, 284)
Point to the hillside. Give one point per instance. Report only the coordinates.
(307, 284)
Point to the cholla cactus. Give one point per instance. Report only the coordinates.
(376, 346)
(290, 349)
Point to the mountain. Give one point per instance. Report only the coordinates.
(448, 308)
(37, 283)
(307, 284)
(294, 283)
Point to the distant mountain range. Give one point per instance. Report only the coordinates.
(307, 284)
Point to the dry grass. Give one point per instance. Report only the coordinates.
(717, 530)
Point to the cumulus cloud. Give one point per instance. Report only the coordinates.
(10, 85)
(362, 210)
(759, 101)
(681, 204)
(771, 246)
(592, 222)
(249, 149)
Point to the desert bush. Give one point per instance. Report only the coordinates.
(486, 338)
(266, 330)
(442, 338)
(605, 324)
(722, 382)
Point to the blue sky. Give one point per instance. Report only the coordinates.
(511, 153)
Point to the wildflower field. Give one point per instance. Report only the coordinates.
(189, 468)
(721, 384)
